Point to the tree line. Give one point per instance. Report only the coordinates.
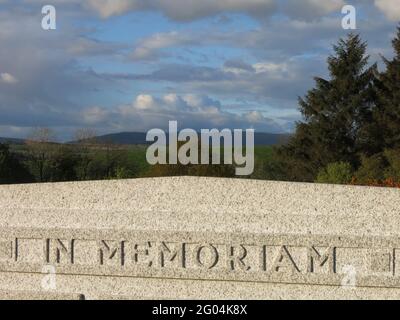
(42, 160)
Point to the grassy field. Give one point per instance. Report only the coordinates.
(137, 155)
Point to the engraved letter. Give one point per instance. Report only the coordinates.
(9, 250)
(236, 256)
(284, 260)
(206, 261)
(108, 250)
(315, 259)
(141, 255)
(59, 251)
(166, 254)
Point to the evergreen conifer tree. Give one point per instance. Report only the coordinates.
(336, 114)
(387, 113)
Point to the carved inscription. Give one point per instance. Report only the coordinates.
(253, 261)
(173, 255)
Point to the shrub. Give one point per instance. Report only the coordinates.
(336, 173)
(371, 169)
(123, 173)
(392, 172)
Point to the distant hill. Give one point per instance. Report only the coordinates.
(126, 138)
(12, 140)
(136, 138)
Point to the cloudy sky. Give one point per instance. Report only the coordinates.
(133, 65)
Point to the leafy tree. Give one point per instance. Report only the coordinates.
(41, 149)
(111, 164)
(63, 165)
(336, 114)
(85, 139)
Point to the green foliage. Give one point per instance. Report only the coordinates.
(222, 171)
(111, 164)
(167, 170)
(63, 164)
(171, 170)
(82, 167)
(336, 173)
(11, 169)
(40, 154)
(392, 171)
(58, 162)
(371, 169)
(268, 165)
(137, 155)
(123, 173)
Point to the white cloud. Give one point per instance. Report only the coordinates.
(191, 111)
(8, 78)
(272, 69)
(107, 8)
(391, 8)
(94, 115)
(149, 48)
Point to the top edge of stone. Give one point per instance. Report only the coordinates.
(202, 204)
(192, 179)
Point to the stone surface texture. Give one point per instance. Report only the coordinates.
(198, 238)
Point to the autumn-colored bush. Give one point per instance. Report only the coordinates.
(386, 183)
